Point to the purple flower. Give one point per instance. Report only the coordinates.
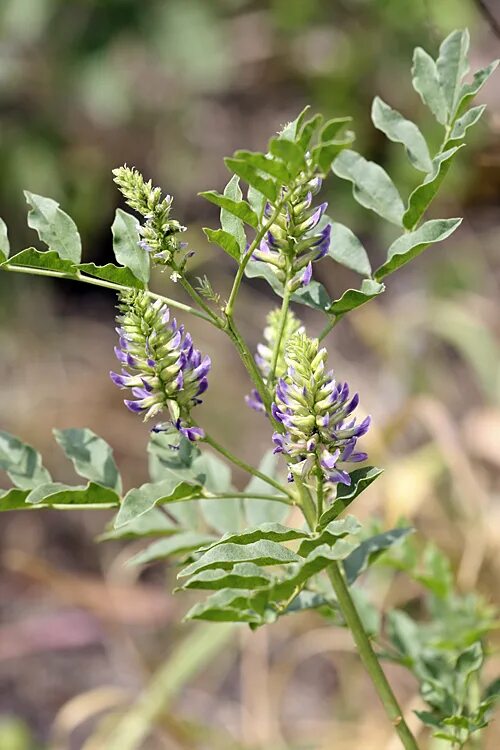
(160, 365)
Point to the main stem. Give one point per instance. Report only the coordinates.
(353, 620)
(368, 657)
(281, 330)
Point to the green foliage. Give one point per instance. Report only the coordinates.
(125, 229)
(54, 227)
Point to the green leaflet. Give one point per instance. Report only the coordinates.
(400, 130)
(54, 227)
(462, 124)
(264, 511)
(226, 555)
(48, 261)
(245, 169)
(128, 253)
(290, 153)
(452, 66)
(353, 298)
(426, 83)
(224, 240)
(371, 185)
(57, 494)
(239, 208)
(13, 499)
(242, 576)
(175, 544)
(316, 561)
(308, 129)
(110, 272)
(346, 249)
(143, 498)
(469, 90)
(329, 534)
(228, 605)
(4, 241)
(360, 480)
(424, 193)
(258, 162)
(151, 523)
(22, 463)
(293, 128)
(274, 532)
(409, 245)
(228, 221)
(91, 456)
(369, 550)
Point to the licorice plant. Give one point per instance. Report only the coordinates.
(238, 547)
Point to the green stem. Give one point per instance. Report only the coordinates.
(368, 657)
(249, 469)
(320, 491)
(249, 363)
(334, 319)
(105, 284)
(245, 496)
(281, 329)
(196, 297)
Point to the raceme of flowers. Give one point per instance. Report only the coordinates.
(265, 351)
(294, 242)
(160, 232)
(315, 412)
(160, 364)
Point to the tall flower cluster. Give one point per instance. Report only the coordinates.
(315, 411)
(294, 241)
(160, 233)
(265, 351)
(161, 367)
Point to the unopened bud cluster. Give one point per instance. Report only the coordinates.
(160, 233)
(315, 410)
(294, 242)
(161, 367)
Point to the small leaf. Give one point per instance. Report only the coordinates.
(325, 152)
(264, 511)
(409, 245)
(152, 523)
(244, 169)
(175, 544)
(22, 463)
(452, 66)
(228, 221)
(312, 600)
(128, 253)
(110, 272)
(317, 560)
(274, 532)
(54, 227)
(239, 208)
(256, 201)
(227, 555)
(242, 576)
(347, 250)
(426, 83)
(459, 130)
(290, 153)
(424, 193)
(329, 534)
(143, 498)
(294, 126)
(13, 499)
(224, 240)
(369, 550)
(91, 456)
(333, 127)
(469, 90)
(49, 261)
(360, 480)
(264, 163)
(226, 605)
(57, 494)
(400, 130)
(353, 298)
(307, 131)
(4, 241)
(371, 185)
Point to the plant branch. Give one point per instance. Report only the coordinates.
(281, 329)
(249, 469)
(334, 319)
(246, 496)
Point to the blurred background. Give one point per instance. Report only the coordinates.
(171, 86)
